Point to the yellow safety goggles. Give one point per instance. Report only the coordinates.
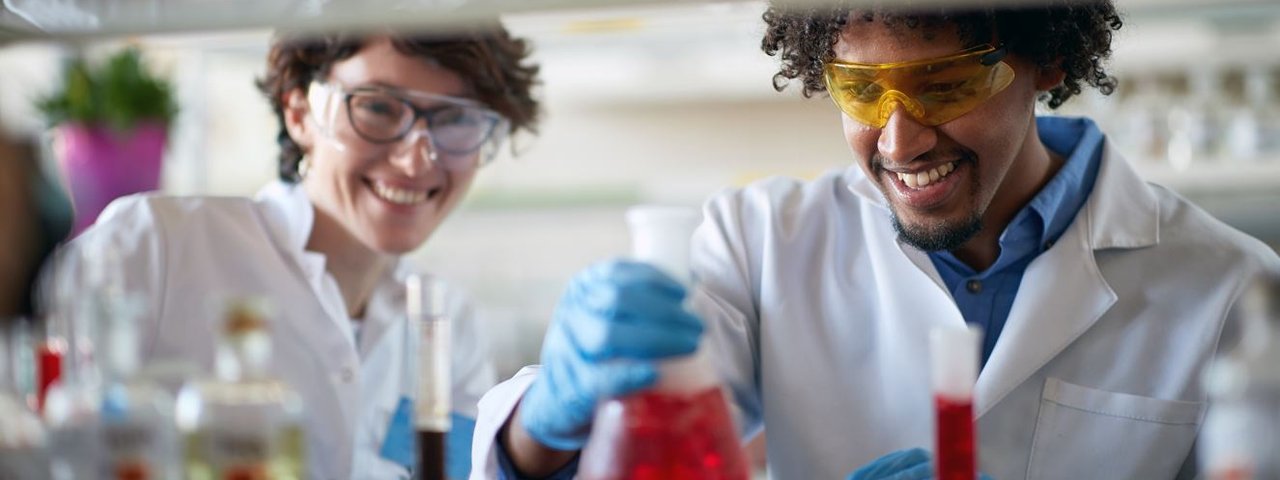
(934, 91)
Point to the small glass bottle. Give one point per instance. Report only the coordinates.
(681, 428)
(72, 403)
(24, 447)
(244, 424)
(137, 426)
(1241, 434)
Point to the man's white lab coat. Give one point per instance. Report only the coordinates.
(819, 318)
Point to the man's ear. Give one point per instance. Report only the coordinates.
(1050, 76)
(296, 113)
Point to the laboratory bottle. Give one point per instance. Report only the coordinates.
(429, 336)
(243, 424)
(1195, 124)
(954, 370)
(681, 428)
(1240, 439)
(72, 403)
(24, 443)
(138, 436)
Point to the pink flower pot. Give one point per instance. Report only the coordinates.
(101, 164)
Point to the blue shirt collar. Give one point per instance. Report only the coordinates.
(1052, 210)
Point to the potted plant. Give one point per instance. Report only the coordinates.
(110, 129)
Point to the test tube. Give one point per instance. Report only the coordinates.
(429, 323)
(954, 355)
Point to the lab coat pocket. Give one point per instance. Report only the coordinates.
(1082, 432)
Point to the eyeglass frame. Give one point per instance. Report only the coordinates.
(496, 127)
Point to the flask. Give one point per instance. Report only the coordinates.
(680, 429)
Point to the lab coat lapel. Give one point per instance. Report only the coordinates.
(293, 217)
(1063, 292)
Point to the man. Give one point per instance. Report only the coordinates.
(1102, 296)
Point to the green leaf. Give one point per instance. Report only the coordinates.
(120, 93)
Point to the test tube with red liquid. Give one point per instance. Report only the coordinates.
(681, 428)
(954, 353)
(430, 325)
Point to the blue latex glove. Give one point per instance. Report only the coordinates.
(911, 464)
(613, 322)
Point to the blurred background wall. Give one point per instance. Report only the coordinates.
(671, 104)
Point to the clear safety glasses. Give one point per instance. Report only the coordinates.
(462, 134)
(934, 91)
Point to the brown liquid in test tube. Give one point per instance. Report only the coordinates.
(430, 326)
(431, 458)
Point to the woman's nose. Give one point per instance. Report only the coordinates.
(416, 153)
(904, 138)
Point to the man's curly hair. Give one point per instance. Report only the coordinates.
(486, 56)
(1072, 35)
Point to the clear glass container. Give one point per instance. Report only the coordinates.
(139, 438)
(244, 424)
(681, 428)
(24, 447)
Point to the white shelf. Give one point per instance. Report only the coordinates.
(1226, 175)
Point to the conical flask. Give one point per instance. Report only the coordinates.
(681, 428)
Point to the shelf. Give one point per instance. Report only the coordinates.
(71, 19)
(1229, 176)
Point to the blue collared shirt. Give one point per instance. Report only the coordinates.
(985, 298)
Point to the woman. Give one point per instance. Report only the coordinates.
(380, 138)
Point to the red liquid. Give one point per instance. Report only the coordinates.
(48, 368)
(655, 436)
(955, 455)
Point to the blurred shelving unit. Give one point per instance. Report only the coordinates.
(636, 89)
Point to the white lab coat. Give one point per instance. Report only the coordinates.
(818, 319)
(187, 255)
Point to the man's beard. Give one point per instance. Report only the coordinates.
(938, 237)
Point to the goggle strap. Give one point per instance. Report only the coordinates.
(995, 56)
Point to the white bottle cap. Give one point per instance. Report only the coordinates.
(954, 354)
(660, 236)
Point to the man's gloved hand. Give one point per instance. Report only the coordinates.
(911, 464)
(614, 321)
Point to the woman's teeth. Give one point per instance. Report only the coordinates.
(923, 179)
(399, 195)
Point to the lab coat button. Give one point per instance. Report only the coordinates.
(346, 375)
(974, 286)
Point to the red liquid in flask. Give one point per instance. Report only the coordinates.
(955, 455)
(664, 436)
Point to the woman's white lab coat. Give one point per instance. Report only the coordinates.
(819, 320)
(187, 255)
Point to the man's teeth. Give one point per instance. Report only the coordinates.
(923, 179)
(399, 195)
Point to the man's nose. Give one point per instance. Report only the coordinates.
(904, 138)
